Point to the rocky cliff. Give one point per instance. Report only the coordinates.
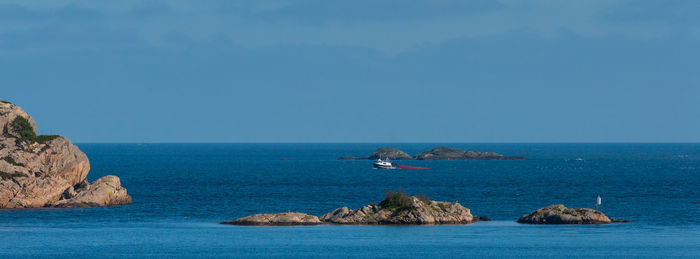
(47, 170)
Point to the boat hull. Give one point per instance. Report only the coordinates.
(378, 166)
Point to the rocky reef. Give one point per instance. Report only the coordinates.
(559, 214)
(438, 153)
(396, 209)
(47, 170)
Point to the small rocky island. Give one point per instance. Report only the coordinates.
(278, 219)
(397, 208)
(559, 214)
(47, 170)
(438, 153)
(383, 153)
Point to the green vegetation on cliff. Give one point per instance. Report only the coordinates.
(45, 138)
(11, 161)
(6, 176)
(21, 125)
(26, 132)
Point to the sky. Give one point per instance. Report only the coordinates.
(355, 71)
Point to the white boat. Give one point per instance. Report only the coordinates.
(383, 164)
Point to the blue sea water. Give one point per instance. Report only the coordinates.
(182, 191)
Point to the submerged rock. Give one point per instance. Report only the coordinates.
(559, 214)
(44, 171)
(400, 209)
(278, 219)
(445, 153)
(620, 220)
(481, 218)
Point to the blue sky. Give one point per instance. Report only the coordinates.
(355, 71)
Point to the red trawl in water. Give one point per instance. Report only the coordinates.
(411, 167)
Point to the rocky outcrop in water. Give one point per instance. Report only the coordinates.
(559, 214)
(389, 153)
(105, 191)
(416, 213)
(383, 153)
(279, 219)
(47, 170)
(396, 209)
(438, 153)
(445, 153)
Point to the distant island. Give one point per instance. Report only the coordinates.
(47, 170)
(438, 153)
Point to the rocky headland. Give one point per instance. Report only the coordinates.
(559, 214)
(396, 209)
(47, 170)
(438, 153)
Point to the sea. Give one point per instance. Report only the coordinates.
(181, 192)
